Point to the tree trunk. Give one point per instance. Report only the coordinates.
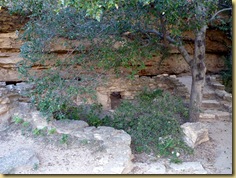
(198, 70)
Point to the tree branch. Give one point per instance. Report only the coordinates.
(222, 10)
(181, 48)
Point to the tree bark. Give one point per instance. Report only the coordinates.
(198, 70)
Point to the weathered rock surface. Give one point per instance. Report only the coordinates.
(3, 109)
(162, 166)
(107, 148)
(187, 168)
(216, 49)
(10, 23)
(210, 104)
(152, 168)
(207, 117)
(5, 121)
(68, 126)
(5, 115)
(22, 157)
(195, 133)
(210, 115)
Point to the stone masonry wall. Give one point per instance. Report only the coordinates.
(128, 88)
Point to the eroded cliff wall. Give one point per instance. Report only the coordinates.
(216, 50)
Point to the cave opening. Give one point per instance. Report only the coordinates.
(115, 99)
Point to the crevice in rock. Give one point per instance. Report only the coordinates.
(12, 82)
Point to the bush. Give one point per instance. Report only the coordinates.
(153, 121)
(227, 74)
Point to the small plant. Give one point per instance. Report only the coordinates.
(52, 131)
(227, 74)
(25, 127)
(36, 166)
(37, 131)
(25, 124)
(94, 120)
(84, 142)
(17, 120)
(64, 138)
(175, 160)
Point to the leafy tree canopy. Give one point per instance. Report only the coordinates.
(142, 27)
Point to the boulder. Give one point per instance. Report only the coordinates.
(195, 133)
(187, 168)
(38, 120)
(112, 149)
(67, 126)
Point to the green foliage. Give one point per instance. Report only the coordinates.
(102, 24)
(153, 121)
(37, 132)
(64, 138)
(36, 166)
(227, 74)
(88, 113)
(26, 124)
(17, 120)
(52, 131)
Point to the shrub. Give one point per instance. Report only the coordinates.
(227, 74)
(153, 121)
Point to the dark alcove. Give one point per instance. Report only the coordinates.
(115, 99)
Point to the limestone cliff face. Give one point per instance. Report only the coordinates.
(10, 23)
(216, 49)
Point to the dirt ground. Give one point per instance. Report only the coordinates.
(216, 154)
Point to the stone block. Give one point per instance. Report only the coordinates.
(223, 116)
(173, 76)
(228, 97)
(220, 93)
(228, 107)
(210, 104)
(195, 133)
(207, 117)
(187, 168)
(218, 86)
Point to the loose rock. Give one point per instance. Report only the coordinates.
(195, 133)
